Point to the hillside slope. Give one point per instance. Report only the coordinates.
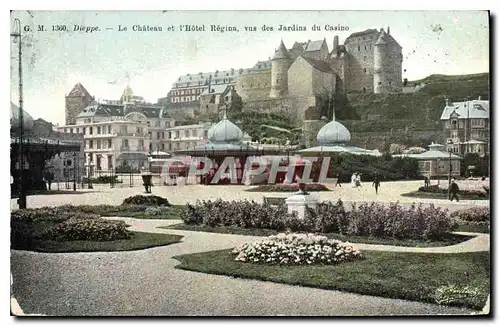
(423, 108)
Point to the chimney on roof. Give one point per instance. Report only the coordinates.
(388, 30)
(447, 102)
(479, 98)
(381, 30)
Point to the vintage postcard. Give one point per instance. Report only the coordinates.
(250, 163)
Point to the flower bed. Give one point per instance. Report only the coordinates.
(375, 220)
(150, 200)
(80, 228)
(106, 179)
(465, 193)
(296, 249)
(88, 229)
(292, 187)
(442, 193)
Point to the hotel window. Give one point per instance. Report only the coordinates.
(364, 69)
(77, 130)
(364, 57)
(162, 146)
(71, 130)
(195, 133)
(98, 130)
(91, 144)
(177, 134)
(109, 129)
(359, 48)
(162, 135)
(123, 129)
(157, 135)
(83, 130)
(125, 143)
(157, 123)
(90, 130)
(186, 133)
(454, 134)
(109, 143)
(141, 143)
(98, 143)
(139, 130)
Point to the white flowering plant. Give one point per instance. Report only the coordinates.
(297, 249)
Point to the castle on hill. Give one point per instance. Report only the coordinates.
(368, 62)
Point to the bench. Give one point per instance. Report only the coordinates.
(274, 201)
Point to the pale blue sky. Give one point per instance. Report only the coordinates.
(434, 42)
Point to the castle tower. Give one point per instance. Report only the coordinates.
(127, 95)
(335, 44)
(77, 99)
(387, 64)
(279, 72)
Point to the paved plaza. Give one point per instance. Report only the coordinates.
(145, 282)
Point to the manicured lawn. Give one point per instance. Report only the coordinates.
(434, 195)
(411, 276)
(449, 239)
(139, 240)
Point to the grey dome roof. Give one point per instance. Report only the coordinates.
(225, 132)
(14, 118)
(333, 133)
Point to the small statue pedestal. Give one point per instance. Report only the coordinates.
(299, 201)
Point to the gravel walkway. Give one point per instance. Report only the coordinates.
(145, 283)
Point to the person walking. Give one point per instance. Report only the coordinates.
(338, 180)
(427, 182)
(454, 189)
(376, 184)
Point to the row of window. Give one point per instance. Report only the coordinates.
(187, 133)
(461, 123)
(184, 99)
(200, 83)
(189, 91)
(367, 47)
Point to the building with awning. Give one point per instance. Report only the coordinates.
(436, 161)
(40, 146)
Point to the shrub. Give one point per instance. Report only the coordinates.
(368, 219)
(54, 214)
(150, 200)
(157, 210)
(246, 214)
(106, 179)
(473, 214)
(296, 249)
(88, 229)
(292, 187)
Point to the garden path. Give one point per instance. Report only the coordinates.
(145, 283)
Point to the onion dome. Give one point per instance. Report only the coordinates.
(333, 133)
(225, 132)
(282, 52)
(14, 118)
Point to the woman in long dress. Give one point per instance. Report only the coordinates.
(353, 180)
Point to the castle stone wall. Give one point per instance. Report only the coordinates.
(254, 86)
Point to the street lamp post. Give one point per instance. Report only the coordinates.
(22, 193)
(74, 171)
(449, 142)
